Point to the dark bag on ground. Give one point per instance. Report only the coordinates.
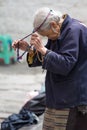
(16, 121)
(27, 115)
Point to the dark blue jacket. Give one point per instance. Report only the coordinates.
(66, 65)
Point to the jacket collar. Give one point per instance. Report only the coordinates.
(66, 22)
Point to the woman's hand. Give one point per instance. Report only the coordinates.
(36, 41)
(21, 44)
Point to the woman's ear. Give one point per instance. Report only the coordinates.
(53, 24)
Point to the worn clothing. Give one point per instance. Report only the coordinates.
(76, 120)
(64, 119)
(66, 65)
(55, 119)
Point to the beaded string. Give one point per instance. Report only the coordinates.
(28, 47)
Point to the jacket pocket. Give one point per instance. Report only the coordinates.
(66, 92)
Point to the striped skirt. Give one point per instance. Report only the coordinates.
(55, 119)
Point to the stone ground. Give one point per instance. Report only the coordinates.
(15, 83)
(16, 80)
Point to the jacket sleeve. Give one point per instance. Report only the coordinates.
(32, 60)
(63, 62)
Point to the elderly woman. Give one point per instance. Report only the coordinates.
(65, 59)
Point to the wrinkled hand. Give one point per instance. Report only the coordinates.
(22, 45)
(36, 41)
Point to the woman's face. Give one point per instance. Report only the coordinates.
(53, 33)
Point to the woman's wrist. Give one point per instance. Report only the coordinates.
(43, 51)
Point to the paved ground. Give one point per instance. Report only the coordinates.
(16, 81)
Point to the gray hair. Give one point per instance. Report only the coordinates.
(41, 15)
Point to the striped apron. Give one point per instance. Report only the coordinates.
(55, 119)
